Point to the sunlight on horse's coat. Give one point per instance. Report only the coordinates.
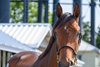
(24, 57)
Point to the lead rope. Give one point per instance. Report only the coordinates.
(57, 56)
(58, 60)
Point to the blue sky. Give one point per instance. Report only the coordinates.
(85, 10)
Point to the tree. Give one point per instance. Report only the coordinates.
(98, 38)
(32, 16)
(16, 12)
(86, 32)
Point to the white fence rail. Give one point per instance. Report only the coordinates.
(4, 57)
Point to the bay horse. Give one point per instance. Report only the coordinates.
(63, 45)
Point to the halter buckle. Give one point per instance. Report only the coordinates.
(57, 58)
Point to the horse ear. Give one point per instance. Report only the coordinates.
(76, 10)
(59, 10)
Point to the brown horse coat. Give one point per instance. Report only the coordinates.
(65, 42)
(32, 59)
(23, 59)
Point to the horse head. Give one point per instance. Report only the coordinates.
(67, 35)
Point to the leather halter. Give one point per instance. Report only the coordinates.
(74, 59)
(66, 17)
(58, 50)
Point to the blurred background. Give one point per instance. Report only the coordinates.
(27, 24)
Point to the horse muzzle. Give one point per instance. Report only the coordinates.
(71, 62)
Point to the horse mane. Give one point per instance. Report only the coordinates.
(51, 41)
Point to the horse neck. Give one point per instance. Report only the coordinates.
(52, 56)
(49, 60)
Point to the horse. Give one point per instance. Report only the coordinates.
(63, 45)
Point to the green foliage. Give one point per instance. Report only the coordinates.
(50, 17)
(98, 38)
(16, 12)
(32, 12)
(86, 35)
(86, 30)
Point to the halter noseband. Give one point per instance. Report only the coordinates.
(58, 50)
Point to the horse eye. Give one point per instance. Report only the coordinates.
(79, 35)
